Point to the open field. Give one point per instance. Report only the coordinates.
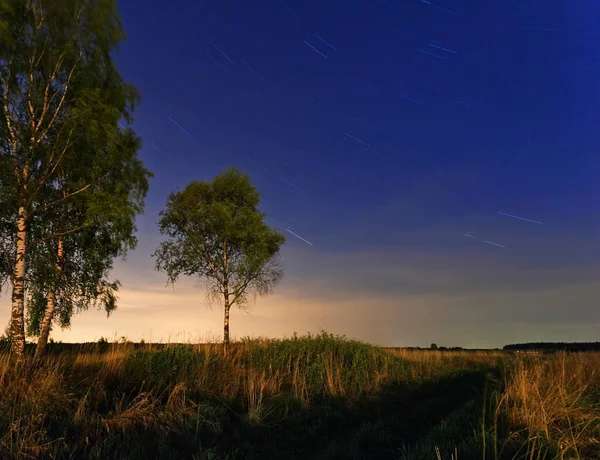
(305, 397)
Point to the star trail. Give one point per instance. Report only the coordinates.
(417, 124)
(433, 49)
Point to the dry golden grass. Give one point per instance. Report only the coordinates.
(428, 364)
(122, 389)
(553, 402)
(79, 400)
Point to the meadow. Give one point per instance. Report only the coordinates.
(319, 396)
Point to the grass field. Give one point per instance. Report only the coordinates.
(321, 397)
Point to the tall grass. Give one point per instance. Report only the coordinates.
(551, 406)
(85, 403)
(268, 398)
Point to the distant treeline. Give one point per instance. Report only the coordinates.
(567, 346)
(427, 348)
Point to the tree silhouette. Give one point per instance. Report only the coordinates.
(216, 233)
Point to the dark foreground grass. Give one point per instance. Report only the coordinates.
(319, 397)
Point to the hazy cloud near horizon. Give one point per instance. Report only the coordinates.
(470, 294)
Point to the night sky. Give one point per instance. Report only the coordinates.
(389, 136)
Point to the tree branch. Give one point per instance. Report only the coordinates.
(212, 266)
(29, 100)
(68, 195)
(239, 291)
(8, 114)
(62, 99)
(45, 103)
(60, 234)
(50, 169)
(11, 273)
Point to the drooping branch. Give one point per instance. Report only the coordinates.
(240, 290)
(262, 279)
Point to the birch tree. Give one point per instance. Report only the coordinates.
(68, 270)
(217, 234)
(54, 66)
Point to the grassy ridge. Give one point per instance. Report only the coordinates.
(304, 397)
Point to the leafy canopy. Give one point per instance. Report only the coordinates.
(62, 155)
(104, 216)
(216, 232)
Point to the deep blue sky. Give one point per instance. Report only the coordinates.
(527, 145)
(507, 121)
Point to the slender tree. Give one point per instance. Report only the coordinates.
(217, 233)
(55, 66)
(68, 269)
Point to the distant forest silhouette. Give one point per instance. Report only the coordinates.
(566, 346)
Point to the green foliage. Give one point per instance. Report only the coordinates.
(5, 10)
(314, 357)
(312, 354)
(216, 232)
(103, 216)
(63, 157)
(162, 366)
